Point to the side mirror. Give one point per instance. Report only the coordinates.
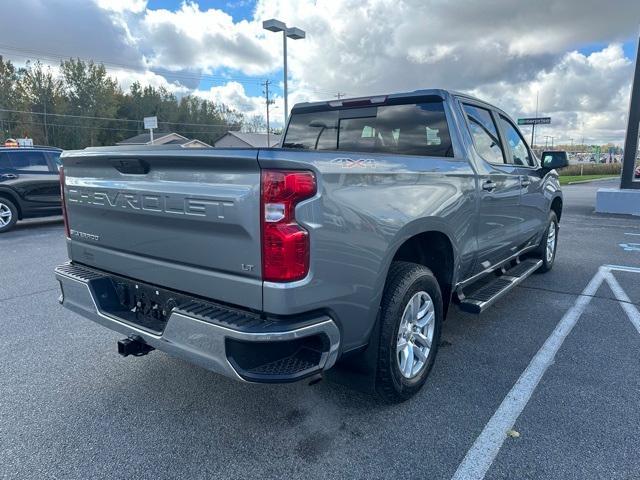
(553, 160)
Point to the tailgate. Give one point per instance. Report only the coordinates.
(173, 217)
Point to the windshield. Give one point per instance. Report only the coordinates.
(412, 129)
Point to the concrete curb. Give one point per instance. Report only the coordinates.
(577, 182)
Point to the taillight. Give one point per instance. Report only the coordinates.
(285, 244)
(64, 206)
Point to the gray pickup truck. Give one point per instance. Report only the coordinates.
(347, 245)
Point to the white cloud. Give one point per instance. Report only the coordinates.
(586, 95)
(501, 50)
(192, 38)
(233, 94)
(504, 51)
(135, 6)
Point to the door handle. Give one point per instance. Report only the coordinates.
(8, 176)
(525, 182)
(489, 186)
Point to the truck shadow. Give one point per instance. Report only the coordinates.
(36, 224)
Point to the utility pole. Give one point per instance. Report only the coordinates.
(46, 130)
(533, 127)
(546, 141)
(268, 102)
(339, 95)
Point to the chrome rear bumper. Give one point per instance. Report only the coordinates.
(204, 343)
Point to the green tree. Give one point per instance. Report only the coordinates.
(8, 79)
(83, 106)
(39, 92)
(90, 92)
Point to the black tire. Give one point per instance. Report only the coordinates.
(541, 251)
(403, 282)
(7, 208)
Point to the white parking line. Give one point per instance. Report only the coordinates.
(486, 447)
(630, 247)
(629, 308)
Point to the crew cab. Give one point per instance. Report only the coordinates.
(347, 245)
(29, 184)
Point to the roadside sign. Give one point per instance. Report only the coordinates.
(150, 122)
(534, 121)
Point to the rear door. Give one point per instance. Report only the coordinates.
(499, 216)
(182, 219)
(32, 178)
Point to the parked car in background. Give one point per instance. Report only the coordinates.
(29, 184)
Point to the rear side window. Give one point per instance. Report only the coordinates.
(4, 161)
(27, 161)
(519, 151)
(412, 129)
(484, 133)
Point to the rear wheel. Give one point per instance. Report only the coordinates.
(411, 319)
(8, 215)
(549, 244)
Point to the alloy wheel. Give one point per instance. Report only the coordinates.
(415, 335)
(5, 215)
(551, 241)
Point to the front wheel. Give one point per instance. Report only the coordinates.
(411, 319)
(8, 215)
(549, 244)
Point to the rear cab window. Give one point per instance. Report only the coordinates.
(405, 129)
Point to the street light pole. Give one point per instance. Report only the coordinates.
(286, 76)
(293, 33)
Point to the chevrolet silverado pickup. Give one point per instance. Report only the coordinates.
(347, 244)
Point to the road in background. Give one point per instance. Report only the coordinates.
(72, 408)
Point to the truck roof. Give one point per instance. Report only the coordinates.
(29, 149)
(436, 93)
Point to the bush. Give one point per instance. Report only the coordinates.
(592, 169)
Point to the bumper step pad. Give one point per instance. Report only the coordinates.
(304, 359)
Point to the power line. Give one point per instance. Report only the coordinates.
(89, 117)
(20, 122)
(64, 125)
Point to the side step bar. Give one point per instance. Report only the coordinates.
(479, 300)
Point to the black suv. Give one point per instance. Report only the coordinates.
(29, 184)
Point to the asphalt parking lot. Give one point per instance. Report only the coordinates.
(70, 407)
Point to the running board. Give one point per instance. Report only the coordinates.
(479, 300)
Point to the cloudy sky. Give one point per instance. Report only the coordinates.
(577, 55)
